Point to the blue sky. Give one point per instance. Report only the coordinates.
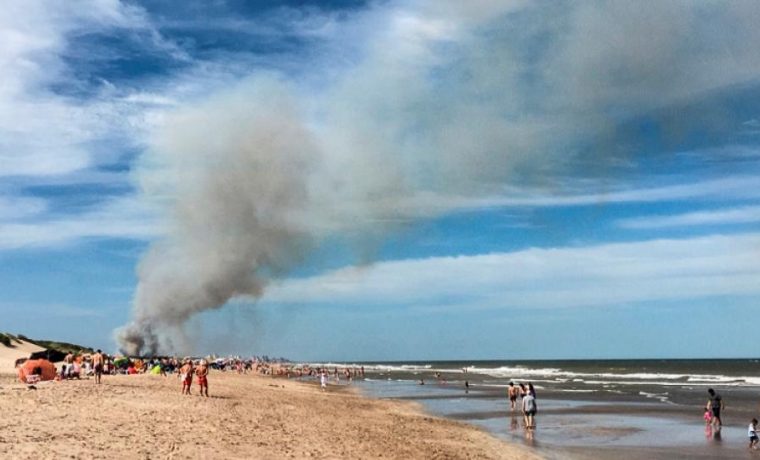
(382, 180)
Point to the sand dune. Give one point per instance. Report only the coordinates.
(9, 355)
(247, 417)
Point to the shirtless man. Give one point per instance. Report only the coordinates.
(512, 392)
(186, 375)
(67, 367)
(202, 372)
(97, 365)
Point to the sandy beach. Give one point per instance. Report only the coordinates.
(248, 416)
(9, 355)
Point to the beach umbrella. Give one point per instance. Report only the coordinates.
(41, 367)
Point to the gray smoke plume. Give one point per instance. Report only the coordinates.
(240, 170)
(448, 106)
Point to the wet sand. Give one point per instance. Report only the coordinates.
(578, 430)
(248, 416)
(605, 426)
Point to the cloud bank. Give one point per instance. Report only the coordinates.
(603, 275)
(740, 215)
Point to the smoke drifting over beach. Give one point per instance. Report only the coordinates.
(442, 108)
(241, 176)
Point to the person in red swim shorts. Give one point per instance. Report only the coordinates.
(202, 372)
(186, 375)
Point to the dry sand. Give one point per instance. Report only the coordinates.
(248, 416)
(9, 355)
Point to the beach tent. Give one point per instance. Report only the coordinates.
(44, 369)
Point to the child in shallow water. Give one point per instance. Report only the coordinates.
(752, 433)
(707, 416)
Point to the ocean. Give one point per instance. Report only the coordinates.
(587, 408)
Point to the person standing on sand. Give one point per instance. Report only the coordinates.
(512, 392)
(715, 404)
(202, 373)
(97, 364)
(66, 368)
(186, 375)
(323, 379)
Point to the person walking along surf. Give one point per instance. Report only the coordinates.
(529, 408)
(512, 393)
(715, 404)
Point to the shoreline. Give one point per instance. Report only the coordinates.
(599, 425)
(247, 416)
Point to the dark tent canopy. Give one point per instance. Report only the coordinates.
(54, 356)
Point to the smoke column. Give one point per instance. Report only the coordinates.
(443, 107)
(241, 172)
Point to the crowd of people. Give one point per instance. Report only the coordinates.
(188, 370)
(522, 396)
(99, 363)
(713, 421)
(528, 404)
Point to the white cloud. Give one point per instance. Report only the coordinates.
(738, 215)
(44, 133)
(602, 275)
(52, 139)
(119, 218)
(448, 101)
(54, 309)
(19, 207)
(587, 194)
(732, 187)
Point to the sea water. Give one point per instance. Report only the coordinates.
(604, 403)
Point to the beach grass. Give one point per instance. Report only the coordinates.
(6, 339)
(56, 345)
(10, 340)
